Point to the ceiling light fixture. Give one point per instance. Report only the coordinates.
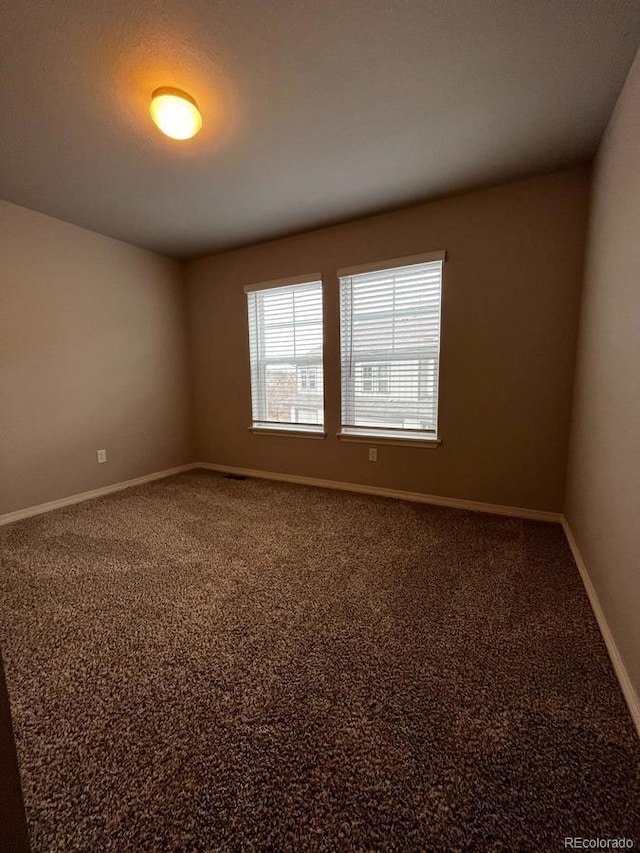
(175, 113)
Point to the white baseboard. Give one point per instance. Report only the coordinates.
(418, 497)
(628, 691)
(27, 512)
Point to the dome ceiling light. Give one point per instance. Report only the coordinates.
(175, 113)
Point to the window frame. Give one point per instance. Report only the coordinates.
(398, 435)
(283, 428)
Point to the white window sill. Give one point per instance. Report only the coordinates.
(428, 442)
(288, 432)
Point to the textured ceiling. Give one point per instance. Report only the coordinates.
(315, 111)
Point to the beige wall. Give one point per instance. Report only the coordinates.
(92, 355)
(603, 489)
(511, 293)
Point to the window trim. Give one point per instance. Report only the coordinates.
(431, 438)
(287, 431)
(428, 442)
(381, 266)
(290, 281)
(285, 428)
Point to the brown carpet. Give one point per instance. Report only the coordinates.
(210, 664)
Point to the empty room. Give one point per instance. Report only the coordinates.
(319, 425)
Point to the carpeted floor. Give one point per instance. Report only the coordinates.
(211, 664)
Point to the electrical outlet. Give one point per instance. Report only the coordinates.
(373, 454)
(102, 456)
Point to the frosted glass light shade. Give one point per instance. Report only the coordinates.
(175, 113)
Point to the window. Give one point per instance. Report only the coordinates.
(372, 379)
(307, 379)
(285, 350)
(390, 348)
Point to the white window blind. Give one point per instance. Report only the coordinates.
(390, 350)
(285, 348)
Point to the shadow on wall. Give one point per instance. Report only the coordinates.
(13, 827)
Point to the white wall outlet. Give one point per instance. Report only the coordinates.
(373, 454)
(102, 456)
